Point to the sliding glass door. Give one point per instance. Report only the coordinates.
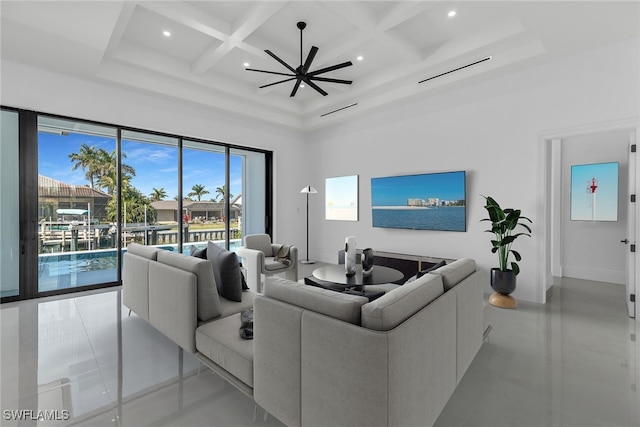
(75, 194)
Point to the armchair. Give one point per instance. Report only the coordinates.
(259, 257)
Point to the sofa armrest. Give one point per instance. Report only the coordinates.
(135, 284)
(470, 320)
(276, 358)
(253, 263)
(173, 307)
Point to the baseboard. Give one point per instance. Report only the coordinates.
(596, 274)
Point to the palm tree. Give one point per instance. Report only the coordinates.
(106, 171)
(157, 194)
(221, 191)
(109, 182)
(198, 191)
(87, 158)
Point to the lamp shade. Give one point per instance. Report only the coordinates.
(309, 190)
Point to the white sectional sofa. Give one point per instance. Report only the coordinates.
(327, 360)
(319, 357)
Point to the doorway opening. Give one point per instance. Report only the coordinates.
(592, 250)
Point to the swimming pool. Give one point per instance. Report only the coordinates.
(85, 268)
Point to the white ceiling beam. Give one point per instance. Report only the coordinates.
(120, 27)
(363, 19)
(352, 12)
(257, 15)
(191, 17)
(135, 57)
(403, 11)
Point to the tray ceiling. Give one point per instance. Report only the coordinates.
(400, 42)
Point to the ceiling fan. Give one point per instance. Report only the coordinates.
(301, 73)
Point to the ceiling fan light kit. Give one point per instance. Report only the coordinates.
(301, 74)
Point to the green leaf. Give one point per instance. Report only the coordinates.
(495, 213)
(512, 219)
(508, 239)
(525, 226)
(515, 268)
(516, 255)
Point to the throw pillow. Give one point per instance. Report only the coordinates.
(226, 271)
(433, 267)
(245, 287)
(425, 271)
(199, 253)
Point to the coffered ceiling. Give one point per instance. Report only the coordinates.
(400, 43)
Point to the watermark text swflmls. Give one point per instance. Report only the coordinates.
(39, 415)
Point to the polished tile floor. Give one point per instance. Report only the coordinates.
(572, 362)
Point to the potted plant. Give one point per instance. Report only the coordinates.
(503, 226)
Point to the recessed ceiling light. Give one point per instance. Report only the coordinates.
(360, 58)
(166, 33)
(246, 64)
(451, 13)
(301, 85)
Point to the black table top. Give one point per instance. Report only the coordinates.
(337, 274)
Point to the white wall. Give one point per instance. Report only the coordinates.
(592, 250)
(50, 92)
(491, 130)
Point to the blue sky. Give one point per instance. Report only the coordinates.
(342, 191)
(156, 165)
(606, 175)
(395, 190)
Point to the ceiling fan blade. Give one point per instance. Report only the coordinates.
(273, 55)
(310, 57)
(269, 72)
(327, 69)
(281, 81)
(315, 86)
(295, 88)
(324, 79)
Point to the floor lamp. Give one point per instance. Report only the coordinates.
(308, 190)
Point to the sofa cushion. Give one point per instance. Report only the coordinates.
(455, 272)
(198, 253)
(148, 252)
(226, 271)
(330, 303)
(393, 308)
(426, 270)
(228, 308)
(208, 300)
(220, 341)
(270, 264)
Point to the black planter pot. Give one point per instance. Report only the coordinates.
(503, 282)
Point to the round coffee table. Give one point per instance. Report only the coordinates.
(337, 275)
